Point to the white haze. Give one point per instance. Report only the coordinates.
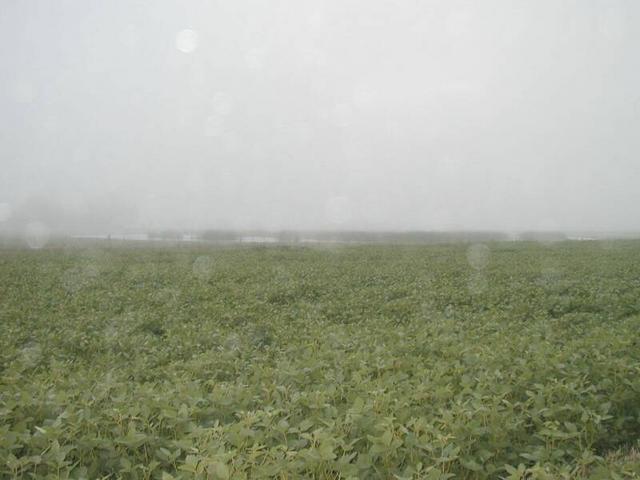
(358, 114)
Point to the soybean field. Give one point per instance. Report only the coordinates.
(505, 360)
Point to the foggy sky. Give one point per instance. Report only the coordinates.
(355, 114)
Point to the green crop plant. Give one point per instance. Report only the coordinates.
(509, 360)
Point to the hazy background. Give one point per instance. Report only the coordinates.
(337, 114)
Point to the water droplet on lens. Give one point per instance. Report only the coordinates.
(37, 235)
(449, 311)
(187, 40)
(31, 354)
(478, 256)
(203, 267)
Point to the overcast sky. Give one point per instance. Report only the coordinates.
(364, 114)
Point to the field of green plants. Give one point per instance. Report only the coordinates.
(504, 360)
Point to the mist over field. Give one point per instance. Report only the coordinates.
(358, 115)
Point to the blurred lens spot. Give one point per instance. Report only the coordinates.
(203, 267)
(37, 235)
(187, 40)
(478, 256)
